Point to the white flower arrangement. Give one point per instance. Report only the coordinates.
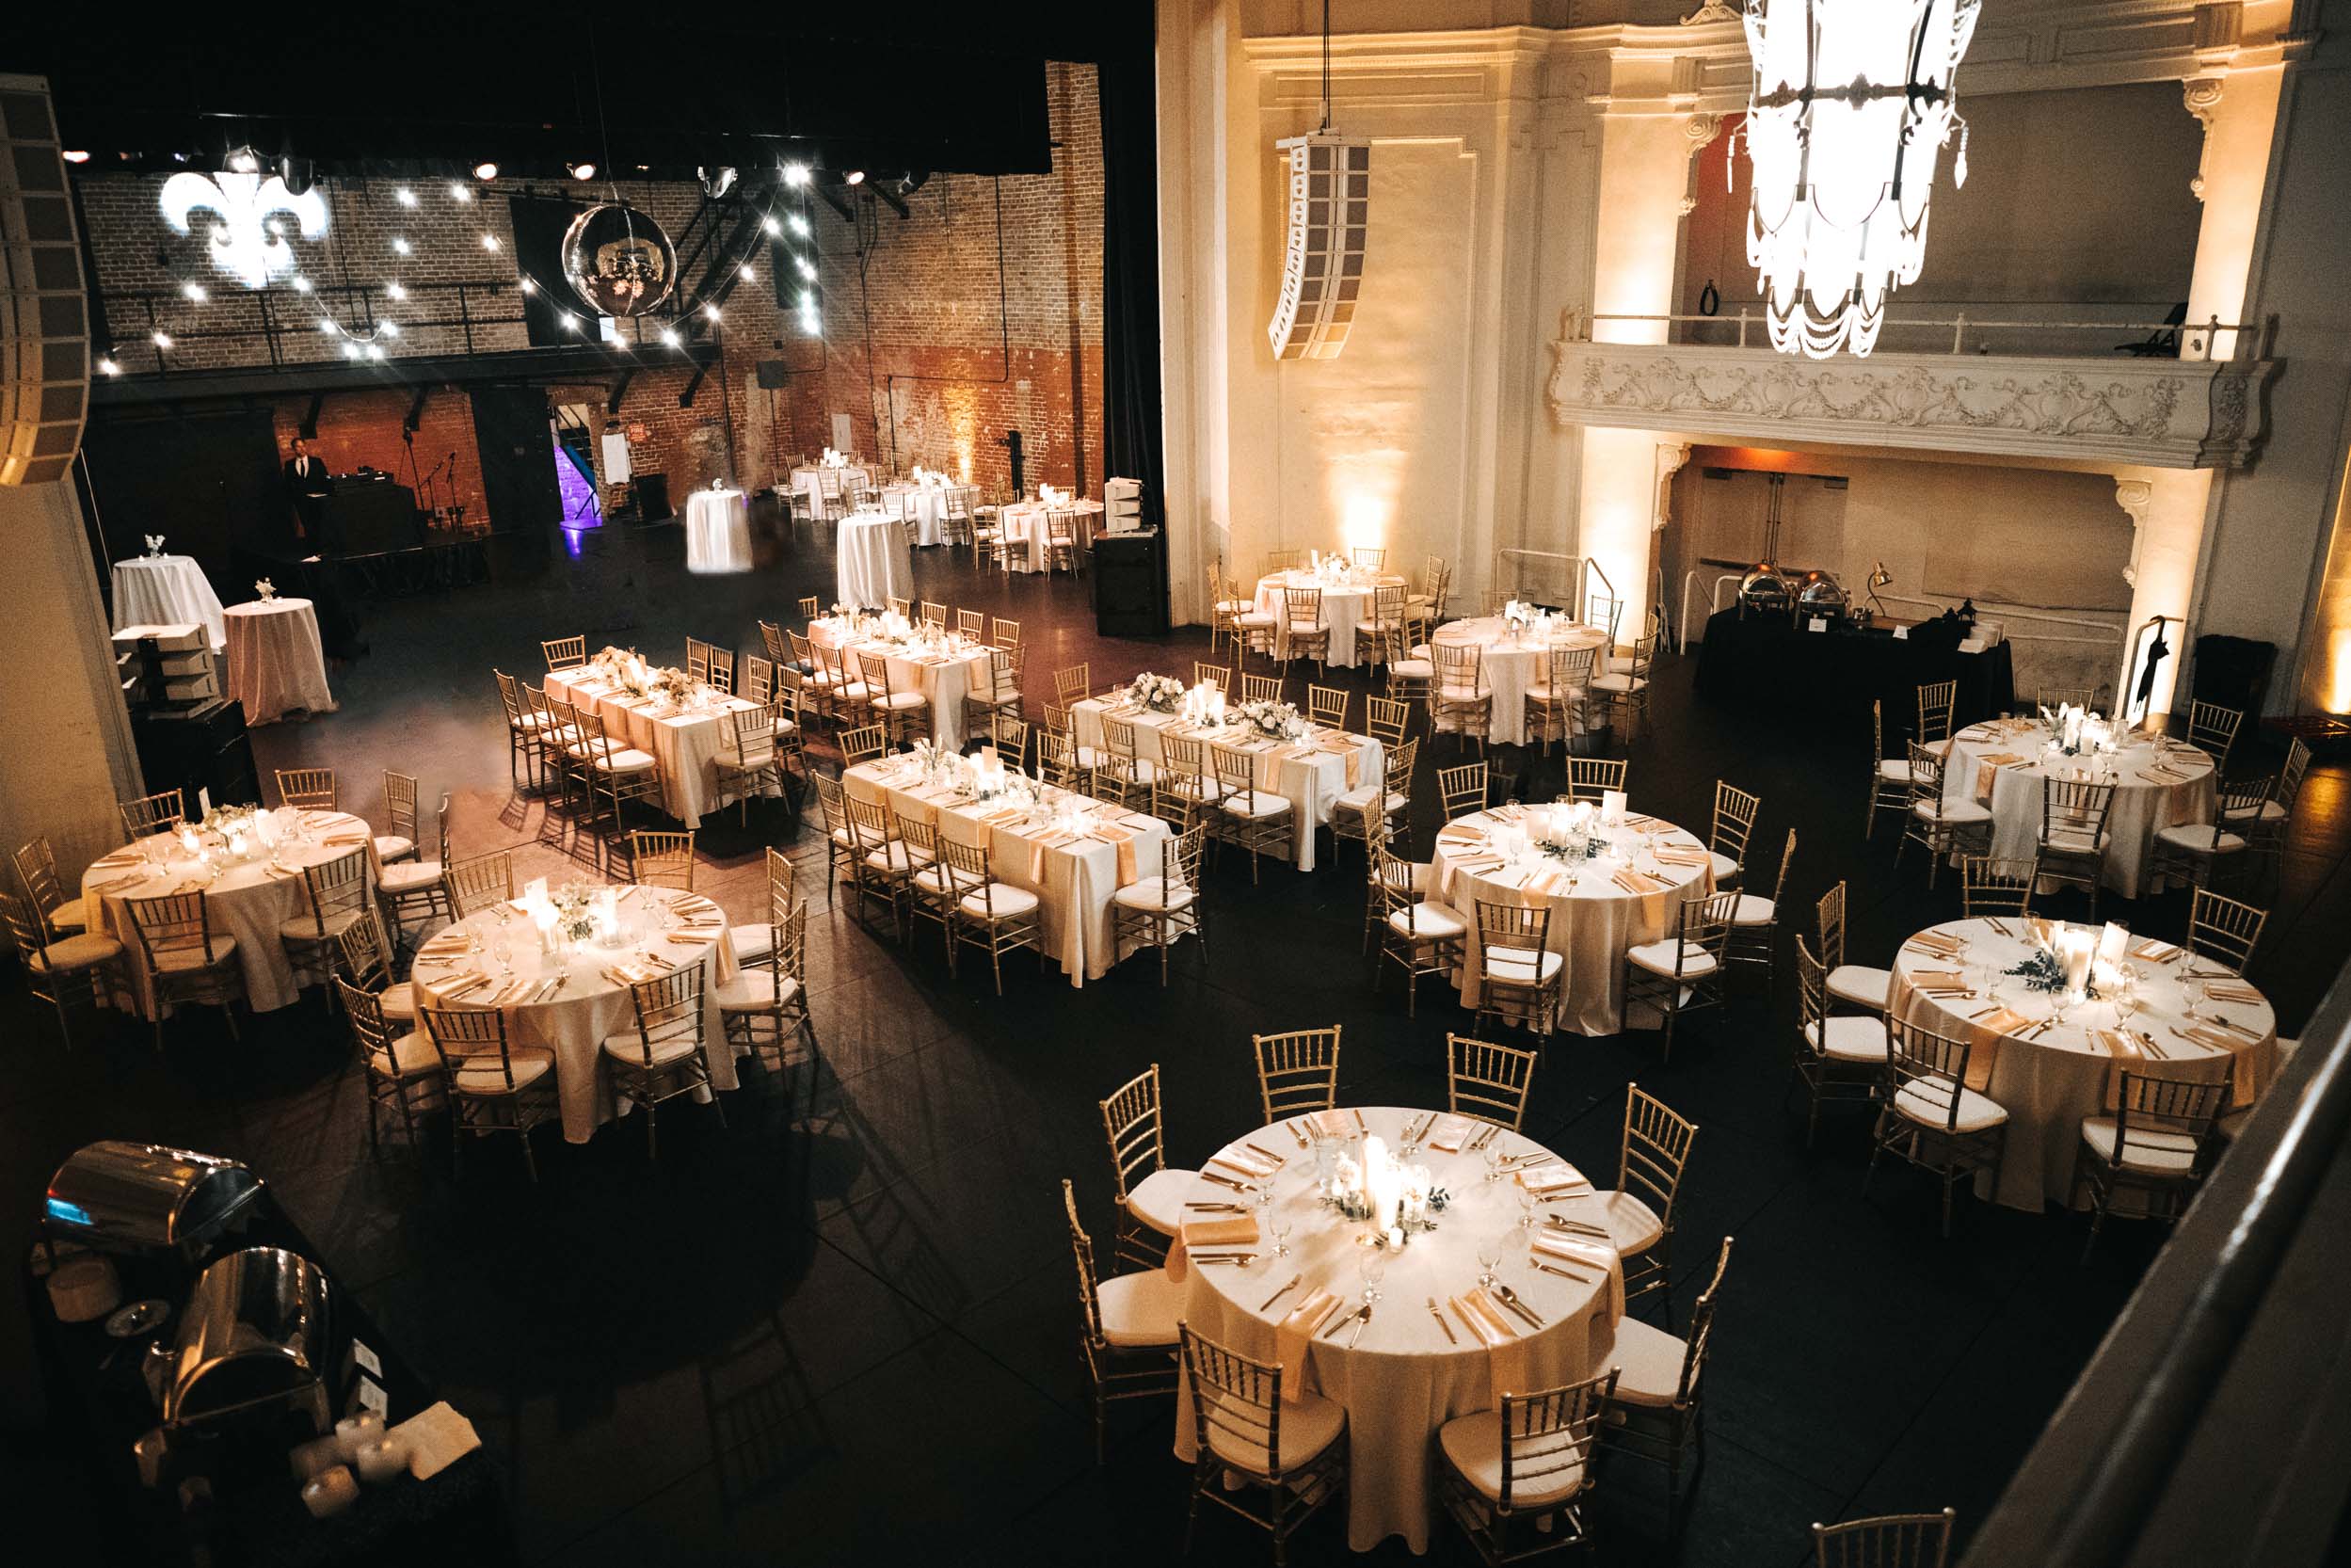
(155, 543)
(1160, 694)
(1276, 720)
(575, 910)
(265, 588)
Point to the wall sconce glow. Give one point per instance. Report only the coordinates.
(486, 170)
(242, 245)
(1851, 101)
(583, 171)
(2338, 699)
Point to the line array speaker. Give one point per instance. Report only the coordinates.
(1330, 199)
(44, 323)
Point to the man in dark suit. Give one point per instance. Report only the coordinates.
(306, 477)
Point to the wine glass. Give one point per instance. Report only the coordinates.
(2192, 994)
(1279, 1223)
(1489, 1258)
(1494, 1160)
(504, 953)
(1372, 1264)
(1526, 1209)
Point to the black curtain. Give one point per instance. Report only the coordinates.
(539, 225)
(1130, 264)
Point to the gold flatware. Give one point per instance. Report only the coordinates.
(1277, 1295)
(1254, 1150)
(1561, 1222)
(1221, 1181)
(1243, 1258)
(1450, 1337)
(1361, 1323)
(1344, 1318)
(1296, 1133)
(1510, 1299)
(1219, 1208)
(1564, 1273)
(1359, 1127)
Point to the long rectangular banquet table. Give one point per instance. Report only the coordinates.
(1310, 775)
(1073, 878)
(943, 678)
(686, 744)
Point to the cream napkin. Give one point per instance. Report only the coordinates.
(1561, 1177)
(1506, 1358)
(1451, 1132)
(1207, 1233)
(436, 1438)
(1294, 1334)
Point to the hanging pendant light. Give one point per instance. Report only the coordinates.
(1850, 106)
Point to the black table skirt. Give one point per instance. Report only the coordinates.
(1770, 663)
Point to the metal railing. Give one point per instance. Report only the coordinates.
(1993, 609)
(2196, 340)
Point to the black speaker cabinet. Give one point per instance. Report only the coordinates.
(203, 747)
(1130, 584)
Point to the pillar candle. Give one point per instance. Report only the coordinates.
(329, 1492)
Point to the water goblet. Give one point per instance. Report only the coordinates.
(1525, 1209)
(2192, 995)
(1371, 1263)
(503, 954)
(1279, 1223)
(1489, 1258)
(1494, 1160)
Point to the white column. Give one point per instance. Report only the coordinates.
(2239, 111)
(2166, 507)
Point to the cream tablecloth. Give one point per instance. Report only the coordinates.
(1347, 604)
(2050, 1084)
(1024, 525)
(944, 677)
(873, 565)
(1073, 881)
(275, 664)
(1512, 664)
(923, 507)
(2157, 784)
(685, 743)
(249, 900)
(718, 532)
(166, 590)
(590, 1006)
(1310, 775)
(1403, 1379)
(1593, 920)
(816, 483)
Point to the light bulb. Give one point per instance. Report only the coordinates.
(796, 174)
(301, 284)
(327, 326)
(162, 340)
(806, 270)
(389, 328)
(107, 365)
(460, 193)
(400, 244)
(770, 224)
(244, 160)
(745, 272)
(396, 290)
(406, 197)
(669, 337)
(490, 242)
(711, 311)
(486, 170)
(77, 155)
(374, 352)
(194, 292)
(570, 322)
(529, 287)
(351, 351)
(854, 177)
(799, 224)
(583, 171)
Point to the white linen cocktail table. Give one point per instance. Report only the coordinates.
(718, 532)
(166, 590)
(276, 664)
(873, 565)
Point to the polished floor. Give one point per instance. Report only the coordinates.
(840, 1329)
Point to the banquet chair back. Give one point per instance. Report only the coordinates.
(1463, 789)
(477, 884)
(1489, 1082)
(562, 654)
(1134, 1126)
(1327, 706)
(1939, 826)
(972, 624)
(719, 672)
(1121, 770)
(337, 893)
(44, 890)
(1625, 691)
(187, 960)
(1073, 684)
(2224, 929)
(1926, 1091)
(1886, 1541)
(1990, 885)
(759, 679)
(1261, 688)
(1602, 612)
(408, 1086)
(1138, 1364)
(902, 608)
(2053, 697)
(493, 1085)
(2071, 848)
(1280, 560)
(2214, 728)
(988, 914)
(810, 608)
(1650, 1165)
(399, 813)
(1259, 820)
(667, 1054)
(1297, 1072)
(2158, 1144)
(1388, 719)
(2287, 787)
(1056, 755)
(1158, 911)
(1522, 980)
(152, 813)
(1735, 812)
(772, 642)
(662, 858)
(935, 613)
(1837, 1056)
(1009, 734)
(1592, 777)
(1218, 676)
(366, 954)
(1555, 706)
(1238, 1409)
(863, 745)
(1369, 558)
(1006, 633)
(1889, 777)
(1549, 1447)
(73, 970)
(1935, 699)
(1303, 631)
(308, 790)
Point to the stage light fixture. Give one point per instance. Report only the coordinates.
(242, 160)
(194, 292)
(400, 244)
(854, 177)
(796, 174)
(582, 171)
(460, 193)
(107, 365)
(161, 340)
(486, 170)
(406, 197)
(75, 155)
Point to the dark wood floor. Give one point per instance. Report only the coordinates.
(840, 1328)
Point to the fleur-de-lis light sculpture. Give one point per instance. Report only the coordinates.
(248, 243)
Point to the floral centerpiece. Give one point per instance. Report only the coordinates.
(2075, 730)
(264, 590)
(1397, 1200)
(225, 820)
(1568, 833)
(154, 544)
(575, 911)
(834, 460)
(1160, 694)
(929, 756)
(1275, 720)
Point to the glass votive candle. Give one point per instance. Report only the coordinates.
(382, 1459)
(356, 1430)
(329, 1492)
(314, 1458)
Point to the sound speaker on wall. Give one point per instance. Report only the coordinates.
(1330, 197)
(45, 324)
(773, 375)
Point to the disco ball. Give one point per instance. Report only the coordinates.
(618, 260)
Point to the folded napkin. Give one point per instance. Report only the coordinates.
(1543, 1181)
(1939, 980)
(1506, 1358)
(1678, 855)
(1330, 1123)
(436, 1439)
(2234, 993)
(1246, 1162)
(1637, 882)
(2002, 1020)
(1935, 944)
(1293, 1332)
(464, 986)
(1592, 1253)
(2116, 1044)
(2154, 952)
(1462, 836)
(1986, 768)
(346, 842)
(1451, 1132)
(1239, 1232)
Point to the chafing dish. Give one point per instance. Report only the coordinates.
(253, 1341)
(146, 1198)
(1818, 595)
(1764, 589)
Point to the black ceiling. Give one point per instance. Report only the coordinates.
(439, 86)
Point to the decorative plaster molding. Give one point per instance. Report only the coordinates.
(1672, 456)
(1713, 11)
(2134, 496)
(2160, 413)
(2203, 96)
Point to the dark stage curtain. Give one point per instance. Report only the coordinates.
(1131, 264)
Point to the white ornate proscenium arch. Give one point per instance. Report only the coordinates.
(246, 243)
(2134, 496)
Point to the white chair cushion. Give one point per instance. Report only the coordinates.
(305, 926)
(755, 991)
(178, 960)
(1309, 1425)
(1861, 986)
(1412, 670)
(2152, 1151)
(530, 1066)
(1255, 620)
(1622, 682)
(1657, 957)
(1437, 922)
(761, 756)
(2069, 840)
(1952, 811)
(1140, 1308)
(1256, 805)
(69, 953)
(1005, 900)
(1851, 1038)
(412, 1056)
(629, 1046)
(397, 1000)
(1517, 966)
(1473, 1444)
(408, 877)
(1356, 800)
(631, 761)
(1896, 770)
(933, 879)
(1648, 1362)
(71, 915)
(755, 940)
(1753, 910)
(391, 847)
(1633, 1226)
(2197, 839)
(1929, 1102)
(892, 856)
(1153, 893)
(2272, 812)
(898, 701)
(1158, 1199)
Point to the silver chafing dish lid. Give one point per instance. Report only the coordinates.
(255, 1332)
(121, 1194)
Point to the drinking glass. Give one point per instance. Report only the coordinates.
(1489, 1258)
(1494, 1160)
(1279, 1223)
(1526, 1209)
(504, 953)
(2192, 994)
(1372, 1264)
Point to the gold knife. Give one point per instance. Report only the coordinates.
(1449, 1337)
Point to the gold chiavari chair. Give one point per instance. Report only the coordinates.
(1273, 1457)
(748, 764)
(1005, 634)
(1683, 972)
(935, 613)
(758, 676)
(1297, 1072)
(750, 939)
(1150, 1191)
(817, 676)
(1057, 754)
(972, 624)
(1387, 798)
(1624, 693)
(1258, 820)
(1489, 1082)
(1989, 886)
(1424, 600)
(1638, 1209)
(367, 960)
(416, 889)
(1930, 1117)
(1754, 937)
(2158, 1144)
(63, 971)
(185, 959)
(1219, 676)
(1262, 688)
(1734, 813)
(720, 677)
(1556, 703)
(902, 608)
(662, 858)
(1889, 777)
(558, 728)
(562, 654)
(1280, 560)
(765, 1007)
(995, 690)
(1304, 634)
(775, 647)
(2196, 852)
(1463, 789)
(1858, 983)
(308, 790)
(1655, 1412)
(2214, 729)
(336, 895)
(1254, 630)
(902, 715)
(863, 745)
(1009, 734)
(1935, 700)
(477, 884)
(1119, 769)
(988, 536)
(1519, 1480)
(844, 684)
(2071, 848)
(666, 1055)
(493, 1085)
(1417, 934)
(1064, 550)
(989, 914)
(1157, 911)
(1412, 674)
(1073, 684)
(2223, 929)
(158, 813)
(1887, 1540)
(397, 842)
(1838, 1056)
(1327, 706)
(1521, 981)
(955, 518)
(1380, 637)
(841, 844)
(1368, 558)
(525, 745)
(930, 887)
(1942, 826)
(403, 1069)
(881, 866)
(810, 609)
(1182, 772)
(1126, 1328)
(1590, 778)
(1460, 699)
(1226, 608)
(616, 774)
(37, 870)
(1387, 720)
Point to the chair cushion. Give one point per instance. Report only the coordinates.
(1140, 1308)
(412, 1056)
(631, 761)
(1005, 900)
(1929, 1102)
(755, 940)
(391, 847)
(1648, 1362)
(761, 756)
(1860, 985)
(899, 702)
(1753, 910)
(892, 856)
(1437, 922)
(1657, 957)
(1356, 800)
(2153, 1152)
(185, 959)
(1851, 1038)
(1154, 894)
(1158, 1199)
(2272, 812)
(1633, 1226)
(2069, 840)
(1473, 1445)
(627, 1046)
(1518, 965)
(69, 953)
(2197, 839)
(1309, 1425)
(410, 876)
(933, 879)
(1948, 811)
(1412, 670)
(1255, 620)
(71, 915)
(1895, 770)
(531, 1063)
(1256, 805)
(305, 926)
(1623, 684)
(755, 991)
(397, 1000)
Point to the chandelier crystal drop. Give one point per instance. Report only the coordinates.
(1851, 107)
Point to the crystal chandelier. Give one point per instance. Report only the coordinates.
(1851, 103)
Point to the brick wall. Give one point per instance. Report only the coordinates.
(961, 349)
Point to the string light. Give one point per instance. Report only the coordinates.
(806, 270)
(570, 322)
(351, 351)
(301, 284)
(374, 352)
(770, 224)
(194, 292)
(400, 244)
(528, 285)
(107, 363)
(799, 224)
(796, 174)
(406, 198)
(162, 340)
(396, 290)
(389, 328)
(669, 336)
(711, 311)
(745, 272)
(460, 193)
(490, 242)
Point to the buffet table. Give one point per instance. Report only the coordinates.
(1771, 664)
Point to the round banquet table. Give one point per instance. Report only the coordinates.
(1403, 1378)
(1346, 605)
(1594, 918)
(923, 507)
(718, 532)
(166, 590)
(1024, 522)
(591, 1004)
(816, 482)
(2049, 1080)
(2158, 783)
(275, 664)
(249, 900)
(1513, 662)
(872, 563)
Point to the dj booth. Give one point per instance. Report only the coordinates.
(368, 514)
(1772, 660)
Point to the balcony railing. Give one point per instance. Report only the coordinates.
(1962, 334)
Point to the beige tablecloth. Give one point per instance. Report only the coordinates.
(686, 744)
(1346, 604)
(816, 483)
(943, 679)
(1310, 775)
(871, 565)
(275, 664)
(1512, 664)
(1403, 1379)
(166, 590)
(1073, 881)
(1024, 523)
(2050, 1084)
(577, 1019)
(718, 532)
(2181, 790)
(247, 900)
(1594, 922)
(923, 507)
